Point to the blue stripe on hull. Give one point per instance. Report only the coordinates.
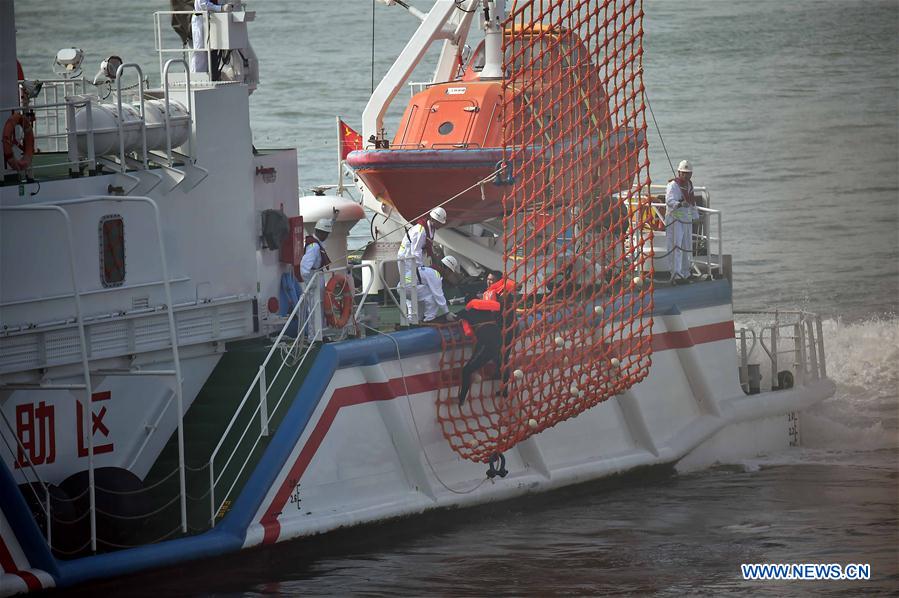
(229, 535)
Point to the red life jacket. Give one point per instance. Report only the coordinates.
(686, 190)
(483, 305)
(498, 288)
(325, 259)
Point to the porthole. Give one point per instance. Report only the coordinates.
(112, 250)
(445, 128)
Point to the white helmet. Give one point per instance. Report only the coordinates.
(685, 166)
(325, 225)
(451, 263)
(438, 214)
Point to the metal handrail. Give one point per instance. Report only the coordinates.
(630, 199)
(172, 335)
(260, 380)
(71, 134)
(82, 339)
(805, 335)
(705, 214)
(45, 507)
(157, 23)
(401, 298)
(143, 114)
(304, 298)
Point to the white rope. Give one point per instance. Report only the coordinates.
(415, 423)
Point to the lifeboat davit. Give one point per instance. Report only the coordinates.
(451, 137)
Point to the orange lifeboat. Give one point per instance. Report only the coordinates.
(450, 137)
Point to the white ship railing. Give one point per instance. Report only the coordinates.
(60, 208)
(50, 122)
(31, 482)
(209, 22)
(55, 129)
(400, 301)
(162, 50)
(708, 234)
(52, 138)
(792, 339)
(86, 387)
(293, 355)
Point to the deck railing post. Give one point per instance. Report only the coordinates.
(798, 342)
(822, 362)
(263, 404)
(775, 333)
(744, 362)
(812, 349)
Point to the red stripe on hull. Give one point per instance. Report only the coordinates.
(342, 397)
(681, 339)
(385, 391)
(9, 565)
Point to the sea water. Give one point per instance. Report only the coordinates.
(789, 112)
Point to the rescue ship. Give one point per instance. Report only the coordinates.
(160, 402)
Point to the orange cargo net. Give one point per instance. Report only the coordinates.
(580, 327)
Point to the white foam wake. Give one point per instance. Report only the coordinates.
(863, 415)
(859, 425)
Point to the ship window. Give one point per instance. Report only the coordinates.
(112, 250)
(445, 128)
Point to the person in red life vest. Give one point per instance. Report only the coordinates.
(430, 291)
(315, 258)
(496, 286)
(483, 319)
(418, 241)
(679, 214)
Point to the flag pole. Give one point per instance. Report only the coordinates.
(340, 137)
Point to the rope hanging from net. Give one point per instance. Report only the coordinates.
(577, 216)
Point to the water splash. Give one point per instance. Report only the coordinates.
(863, 415)
(864, 355)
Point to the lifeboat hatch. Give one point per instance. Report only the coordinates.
(448, 124)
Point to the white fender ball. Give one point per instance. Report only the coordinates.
(597, 309)
(638, 281)
(532, 423)
(615, 362)
(519, 375)
(559, 341)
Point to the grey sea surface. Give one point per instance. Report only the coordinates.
(790, 114)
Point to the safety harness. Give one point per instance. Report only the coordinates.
(326, 261)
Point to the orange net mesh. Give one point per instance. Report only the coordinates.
(579, 330)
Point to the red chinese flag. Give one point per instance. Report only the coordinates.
(349, 139)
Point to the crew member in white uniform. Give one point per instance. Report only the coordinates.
(430, 290)
(679, 215)
(417, 241)
(198, 63)
(314, 259)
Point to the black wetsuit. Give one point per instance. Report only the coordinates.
(487, 327)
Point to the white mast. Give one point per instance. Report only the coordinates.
(493, 39)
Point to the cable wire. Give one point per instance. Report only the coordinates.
(415, 422)
(659, 131)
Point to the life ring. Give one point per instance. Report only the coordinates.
(338, 301)
(9, 140)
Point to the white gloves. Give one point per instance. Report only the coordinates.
(451, 317)
(227, 7)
